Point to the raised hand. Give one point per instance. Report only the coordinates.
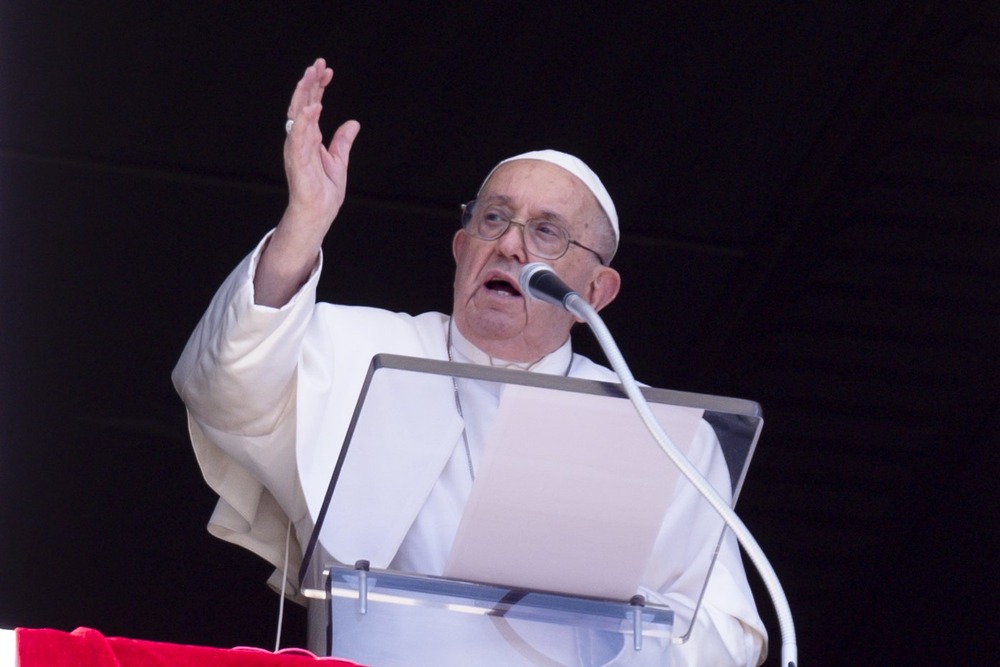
(317, 181)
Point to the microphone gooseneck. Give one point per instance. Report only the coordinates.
(541, 282)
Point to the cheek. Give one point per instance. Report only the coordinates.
(468, 260)
(575, 276)
(463, 271)
(465, 281)
(546, 318)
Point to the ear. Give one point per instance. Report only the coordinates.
(457, 243)
(603, 287)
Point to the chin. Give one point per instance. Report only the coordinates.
(486, 335)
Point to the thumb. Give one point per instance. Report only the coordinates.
(343, 139)
(336, 158)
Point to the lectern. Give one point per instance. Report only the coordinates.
(559, 526)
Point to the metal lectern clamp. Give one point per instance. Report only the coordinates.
(362, 566)
(637, 602)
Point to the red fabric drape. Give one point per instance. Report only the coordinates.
(85, 647)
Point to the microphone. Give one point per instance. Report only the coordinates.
(541, 282)
(538, 280)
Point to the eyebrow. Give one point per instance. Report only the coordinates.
(545, 214)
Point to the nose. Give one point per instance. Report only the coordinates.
(511, 242)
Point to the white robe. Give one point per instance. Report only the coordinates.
(270, 393)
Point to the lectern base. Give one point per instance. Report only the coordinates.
(388, 619)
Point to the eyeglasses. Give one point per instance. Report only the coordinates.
(543, 238)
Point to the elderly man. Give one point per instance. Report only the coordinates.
(270, 377)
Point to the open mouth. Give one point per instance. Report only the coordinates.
(502, 287)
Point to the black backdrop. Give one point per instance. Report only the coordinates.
(808, 197)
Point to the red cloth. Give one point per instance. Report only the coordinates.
(89, 648)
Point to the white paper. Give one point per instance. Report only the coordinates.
(570, 495)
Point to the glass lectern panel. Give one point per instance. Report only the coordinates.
(407, 409)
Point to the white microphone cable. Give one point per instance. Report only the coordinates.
(578, 306)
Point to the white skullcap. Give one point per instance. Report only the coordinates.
(578, 168)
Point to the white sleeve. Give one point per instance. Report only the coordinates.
(237, 378)
(8, 648)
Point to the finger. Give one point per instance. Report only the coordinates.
(304, 143)
(324, 75)
(309, 89)
(306, 135)
(300, 97)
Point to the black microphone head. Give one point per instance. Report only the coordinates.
(540, 281)
(529, 271)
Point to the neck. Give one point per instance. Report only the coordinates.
(514, 350)
(558, 361)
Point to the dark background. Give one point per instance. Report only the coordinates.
(809, 202)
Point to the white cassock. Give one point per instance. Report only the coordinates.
(270, 393)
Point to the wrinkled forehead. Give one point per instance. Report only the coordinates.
(537, 185)
(576, 168)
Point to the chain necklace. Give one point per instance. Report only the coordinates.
(458, 407)
(458, 403)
